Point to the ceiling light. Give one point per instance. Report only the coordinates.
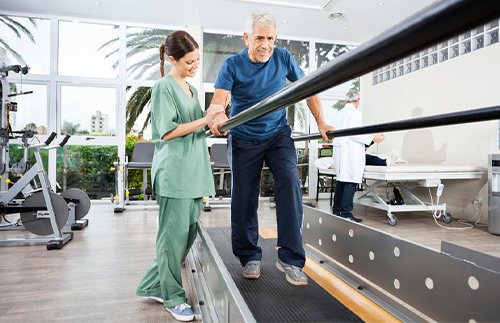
(336, 15)
(346, 28)
(197, 13)
(285, 22)
(97, 3)
(380, 3)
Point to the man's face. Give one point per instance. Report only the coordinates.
(260, 43)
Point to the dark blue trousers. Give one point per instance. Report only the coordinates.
(246, 158)
(374, 160)
(343, 199)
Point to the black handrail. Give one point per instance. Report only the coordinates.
(447, 119)
(428, 27)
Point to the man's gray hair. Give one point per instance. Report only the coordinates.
(259, 16)
(352, 96)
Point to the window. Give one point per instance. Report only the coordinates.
(143, 56)
(327, 52)
(216, 47)
(138, 104)
(297, 117)
(299, 50)
(492, 37)
(82, 50)
(16, 153)
(82, 104)
(31, 48)
(478, 38)
(31, 108)
(87, 168)
(478, 42)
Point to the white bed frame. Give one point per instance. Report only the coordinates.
(406, 177)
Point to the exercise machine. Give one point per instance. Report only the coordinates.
(42, 211)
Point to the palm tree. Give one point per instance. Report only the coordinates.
(323, 52)
(70, 128)
(135, 105)
(144, 42)
(216, 48)
(18, 29)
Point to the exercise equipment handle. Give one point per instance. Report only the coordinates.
(13, 68)
(65, 140)
(17, 94)
(51, 137)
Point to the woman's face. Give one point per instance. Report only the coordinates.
(188, 64)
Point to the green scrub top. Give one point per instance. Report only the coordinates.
(181, 166)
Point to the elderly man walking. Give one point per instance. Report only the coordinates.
(251, 76)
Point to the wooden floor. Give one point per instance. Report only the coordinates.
(94, 277)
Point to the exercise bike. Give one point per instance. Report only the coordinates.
(42, 212)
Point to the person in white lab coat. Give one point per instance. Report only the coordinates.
(349, 156)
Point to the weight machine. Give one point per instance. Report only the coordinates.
(42, 212)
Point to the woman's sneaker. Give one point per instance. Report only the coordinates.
(294, 274)
(158, 298)
(181, 312)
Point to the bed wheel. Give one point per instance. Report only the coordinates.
(392, 221)
(447, 218)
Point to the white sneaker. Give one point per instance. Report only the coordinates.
(392, 158)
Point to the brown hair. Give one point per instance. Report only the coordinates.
(177, 44)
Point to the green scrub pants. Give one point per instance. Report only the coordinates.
(176, 233)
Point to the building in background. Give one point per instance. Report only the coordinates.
(99, 123)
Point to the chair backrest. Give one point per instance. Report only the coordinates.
(218, 155)
(143, 152)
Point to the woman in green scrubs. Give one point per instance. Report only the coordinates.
(181, 173)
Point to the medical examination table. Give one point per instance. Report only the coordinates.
(406, 177)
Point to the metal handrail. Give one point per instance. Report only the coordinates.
(447, 119)
(428, 27)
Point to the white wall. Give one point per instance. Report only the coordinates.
(462, 83)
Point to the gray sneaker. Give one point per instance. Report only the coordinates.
(252, 269)
(294, 274)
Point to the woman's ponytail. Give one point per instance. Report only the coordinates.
(162, 59)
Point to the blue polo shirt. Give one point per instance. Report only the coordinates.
(250, 83)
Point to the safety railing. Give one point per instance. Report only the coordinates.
(430, 26)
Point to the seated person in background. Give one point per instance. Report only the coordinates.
(349, 156)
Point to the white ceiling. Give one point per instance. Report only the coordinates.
(305, 18)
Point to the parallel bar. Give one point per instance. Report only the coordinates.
(447, 119)
(432, 25)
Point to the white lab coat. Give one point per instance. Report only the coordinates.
(349, 152)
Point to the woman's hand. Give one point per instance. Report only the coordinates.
(212, 111)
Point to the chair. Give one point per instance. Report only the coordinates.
(218, 159)
(142, 158)
(323, 172)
